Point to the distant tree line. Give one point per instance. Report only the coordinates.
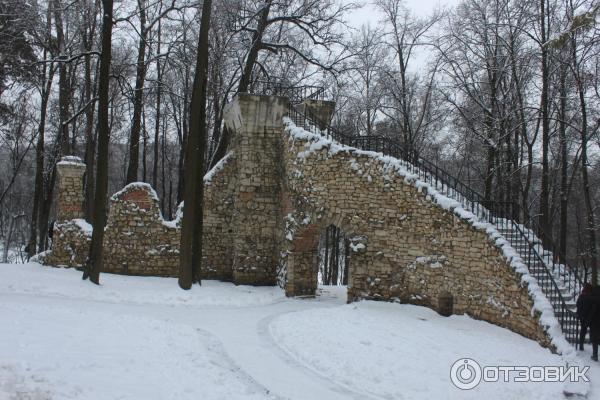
(504, 94)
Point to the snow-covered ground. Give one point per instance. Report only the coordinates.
(144, 338)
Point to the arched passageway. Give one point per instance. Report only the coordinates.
(319, 255)
(333, 257)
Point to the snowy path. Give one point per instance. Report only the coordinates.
(138, 338)
(244, 347)
(237, 337)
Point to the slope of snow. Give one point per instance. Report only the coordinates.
(51, 352)
(17, 278)
(144, 338)
(401, 351)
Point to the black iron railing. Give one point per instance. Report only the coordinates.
(504, 215)
(296, 94)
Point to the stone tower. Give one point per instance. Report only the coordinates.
(257, 125)
(70, 171)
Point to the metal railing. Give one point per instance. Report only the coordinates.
(504, 215)
(296, 94)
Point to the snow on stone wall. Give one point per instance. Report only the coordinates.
(138, 241)
(413, 250)
(266, 204)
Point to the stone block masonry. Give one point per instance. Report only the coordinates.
(71, 235)
(257, 123)
(267, 203)
(138, 241)
(70, 171)
(405, 247)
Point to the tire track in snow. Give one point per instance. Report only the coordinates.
(290, 359)
(224, 360)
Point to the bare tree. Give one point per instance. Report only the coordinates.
(411, 105)
(96, 257)
(296, 26)
(190, 254)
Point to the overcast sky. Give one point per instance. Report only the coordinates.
(422, 8)
(367, 13)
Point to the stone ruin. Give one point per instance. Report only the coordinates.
(269, 199)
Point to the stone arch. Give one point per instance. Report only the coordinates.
(417, 250)
(304, 226)
(280, 185)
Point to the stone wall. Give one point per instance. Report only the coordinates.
(267, 203)
(71, 233)
(138, 241)
(70, 244)
(406, 248)
(70, 171)
(257, 123)
(217, 239)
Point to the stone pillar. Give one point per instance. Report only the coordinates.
(319, 111)
(257, 123)
(303, 263)
(70, 188)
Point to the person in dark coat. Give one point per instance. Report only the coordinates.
(594, 322)
(584, 307)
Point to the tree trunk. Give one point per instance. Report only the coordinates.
(184, 138)
(589, 206)
(544, 209)
(346, 262)
(39, 166)
(90, 147)
(325, 276)
(489, 173)
(562, 134)
(9, 234)
(138, 98)
(63, 82)
(90, 136)
(336, 263)
(95, 260)
(144, 149)
(163, 155)
(190, 254)
(256, 46)
(45, 208)
(157, 116)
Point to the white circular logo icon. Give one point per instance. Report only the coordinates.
(465, 373)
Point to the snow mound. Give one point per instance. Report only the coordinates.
(67, 283)
(396, 351)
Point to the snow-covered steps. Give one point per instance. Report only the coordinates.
(541, 265)
(528, 244)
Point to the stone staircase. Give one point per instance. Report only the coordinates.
(560, 283)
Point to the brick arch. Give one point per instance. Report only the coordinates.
(304, 227)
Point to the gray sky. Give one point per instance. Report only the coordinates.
(367, 13)
(422, 8)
